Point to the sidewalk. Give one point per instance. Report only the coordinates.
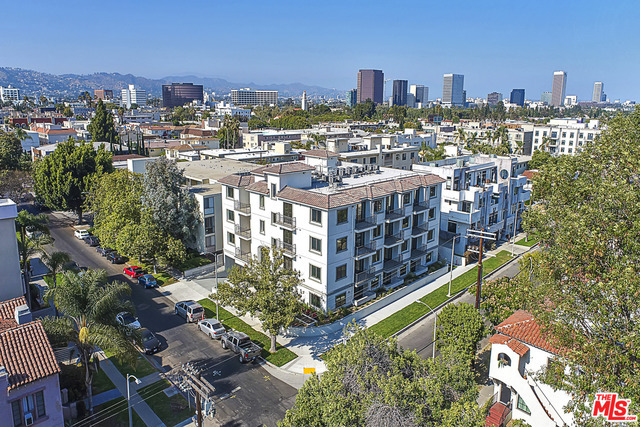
(309, 349)
(137, 403)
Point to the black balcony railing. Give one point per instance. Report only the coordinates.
(393, 214)
(285, 221)
(419, 251)
(286, 248)
(363, 276)
(393, 239)
(244, 233)
(365, 249)
(243, 255)
(419, 229)
(365, 222)
(420, 206)
(392, 263)
(241, 207)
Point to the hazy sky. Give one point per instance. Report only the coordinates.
(497, 45)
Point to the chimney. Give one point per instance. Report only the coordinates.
(22, 314)
(4, 378)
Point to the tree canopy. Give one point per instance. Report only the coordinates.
(460, 328)
(10, 151)
(102, 127)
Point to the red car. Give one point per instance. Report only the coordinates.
(133, 271)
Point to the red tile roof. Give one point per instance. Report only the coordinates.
(523, 327)
(237, 180)
(25, 351)
(320, 153)
(282, 168)
(259, 187)
(530, 174)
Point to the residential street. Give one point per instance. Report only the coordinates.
(251, 396)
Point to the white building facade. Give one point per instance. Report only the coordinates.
(133, 95)
(9, 94)
(563, 136)
(247, 96)
(350, 230)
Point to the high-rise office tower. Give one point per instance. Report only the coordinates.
(420, 92)
(370, 86)
(517, 97)
(558, 88)
(352, 97)
(132, 95)
(400, 92)
(598, 91)
(453, 90)
(493, 98)
(178, 94)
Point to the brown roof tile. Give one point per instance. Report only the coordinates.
(8, 307)
(237, 180)
(320, 153)
(522, 326)
(281, 168)
(259, 187)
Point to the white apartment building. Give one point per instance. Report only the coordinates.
(228, 109)
(563, 136)
(12, 284)
(248, 96)
(261, 138)
(349, 229)
(518, 352)
(480, 192)
(132, 95)
(9, 94)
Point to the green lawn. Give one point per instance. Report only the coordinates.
(194, 262)
(115, 414)
(171, 410)
(532, 240)
(414, 311)
(101, 383)
(163, 278)
(142, 368)
(280, 357)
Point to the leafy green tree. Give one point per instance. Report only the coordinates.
(266, 289)
(539, 159)
(29, 246)
(67, 111)
(428, 154)
(90, 306)
(55, 263)
(229, 133)
(586, 281)
(364, 111)
(460, 328)
(64, 178)
(370, 382)
(102, 127)
(10, 151)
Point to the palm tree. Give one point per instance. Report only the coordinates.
(90, 307)
(320, 141)
(461, 136)
(489, 137)
(473, 140)
(29, 246)
(55, 263)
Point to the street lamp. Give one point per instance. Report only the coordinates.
(129, 377)
(453, 246)
(435, 323)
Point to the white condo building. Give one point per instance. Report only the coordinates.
(349, 229)
(132, 95)
(563, 136)
(248, 96)
(9, 94)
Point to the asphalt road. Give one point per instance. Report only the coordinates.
(420, 336)
(249, 396)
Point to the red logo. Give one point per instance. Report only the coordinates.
(611, 408)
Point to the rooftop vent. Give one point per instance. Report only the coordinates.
(22, 314)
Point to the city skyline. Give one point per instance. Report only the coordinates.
(328, 53)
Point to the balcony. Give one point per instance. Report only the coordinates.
(393, 239)
(419, 251)
(420, 206)
(392, 263)
(286, 248)
(243, 255)
(285, 221)
(393, 214)
(419, 230)
(365, 223)
(363, 276)
(365, 250)
(243, 233)
(242, 208)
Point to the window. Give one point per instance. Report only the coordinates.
(262, 226)
(377, 205)
(405, 246)
(315, 272)
(287, 263)
(405, 222)
(210, 241)
(208, 202)
(341, 299)
(377, 232)
(343, 216)
(32, 404)
(316, 216)
(229, 192)
(231, 215)
(315, 300)
(523, 406)
(261, 202)
(273, 190)
(406, 198)
(341, 272)
(430, 235)
(315, 245)
(231, 238)
(432, 192)
(427, 259)
(404, 156)
(341, 244)
(209, 225)
(432, 213)
(376, 257)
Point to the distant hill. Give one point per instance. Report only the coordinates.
(35, 83)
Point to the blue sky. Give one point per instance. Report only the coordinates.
(497, 45)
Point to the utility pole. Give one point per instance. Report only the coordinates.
(189, 378)
(482, 235)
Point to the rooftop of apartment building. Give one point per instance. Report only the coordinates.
(209, 171)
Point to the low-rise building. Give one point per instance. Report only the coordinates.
(563, 136)
(519, 350)
(49, 133)
(349, 229)
(12, 284)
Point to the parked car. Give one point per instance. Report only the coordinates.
(115, 258)
(150, 343)
(133, 271)
(92, 241)
(104, 251)
(190, 310)
(148, 281)
(81, 234)
(212, 327)
(242, 345)
(128, 320)
(33, 234)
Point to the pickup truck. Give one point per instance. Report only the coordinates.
(241, 344)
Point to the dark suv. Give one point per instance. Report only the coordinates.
(115, 258)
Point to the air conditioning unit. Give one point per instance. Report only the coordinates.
(28, 419)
